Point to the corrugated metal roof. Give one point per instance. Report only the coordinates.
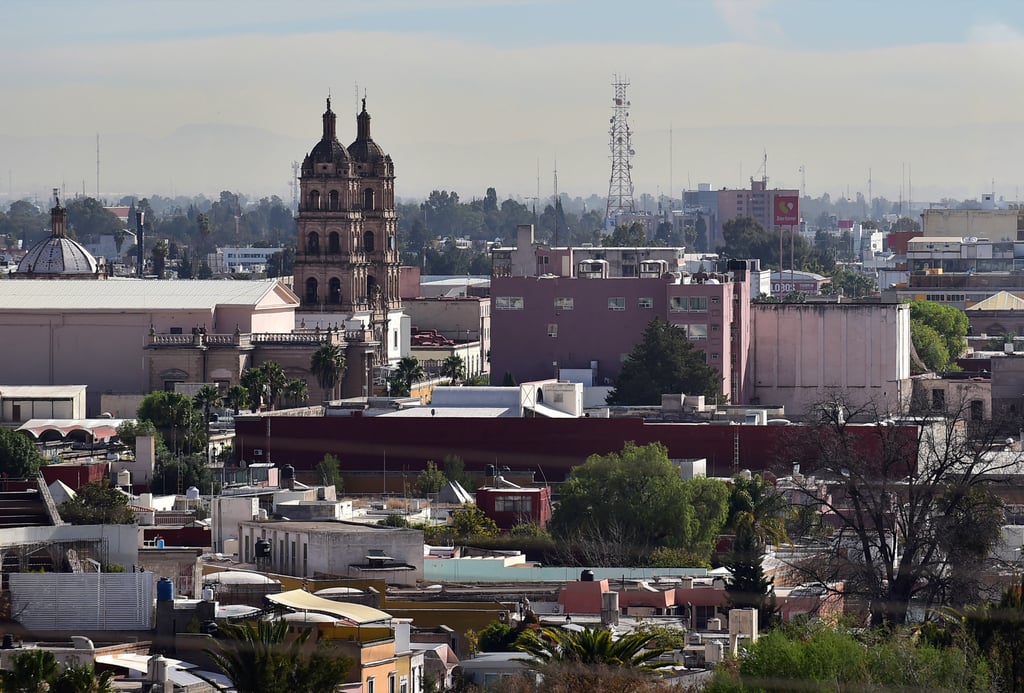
(1003, 300)
(133, 294)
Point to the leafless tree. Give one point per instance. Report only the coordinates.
(911, 508)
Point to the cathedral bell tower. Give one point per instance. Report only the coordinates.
(347, 259)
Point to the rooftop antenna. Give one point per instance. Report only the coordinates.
(803, 181)
(620, 184)
(871, 202)
(554, 205)
(671, 188)
(538, 182)
(97, 166)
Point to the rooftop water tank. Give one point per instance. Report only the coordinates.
(164, 590)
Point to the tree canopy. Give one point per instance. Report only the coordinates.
(19, 456)
(663, 362)
(617, 508)
(939, 333)
(97, 503)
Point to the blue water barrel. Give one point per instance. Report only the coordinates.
(159, 543)
(164, 590)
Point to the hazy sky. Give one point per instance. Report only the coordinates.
(193, 96)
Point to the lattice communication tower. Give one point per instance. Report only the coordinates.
(620, 186)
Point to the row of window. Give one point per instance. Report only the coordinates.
(678, 304)
(334, 243)
(334, 198)
(946, 298)
(696, 332)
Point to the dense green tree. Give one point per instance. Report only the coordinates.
(995, 628)
(296, 392)
(90, 219)
(237, 398)
(329, 470)
(627, 236)
(453, 368)
(590, 646)
(254, 380)
(948, 323)
(617, 508)
(26, 222)
(207, 399)
(186, 269)
(19, 456)
(470, 521)
(852, 284)
(281, 264)
(747, 586)
(191, 470)
(755, 505)
(159, 257)
(262, 657)
(131, 429)
(97, 503)
(176, 418)
(327, 364)
(84, 679)
(905, 224)
(929, 346)
(409, 371)
(30, 671)
(455, 470)
(431, 480)
(663, 362)
(827, 659)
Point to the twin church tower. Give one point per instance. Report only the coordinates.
(347, 258)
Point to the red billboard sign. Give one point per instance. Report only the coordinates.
(786, 210)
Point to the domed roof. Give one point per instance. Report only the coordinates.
(364, 149)
(328, 150)
(58, 254)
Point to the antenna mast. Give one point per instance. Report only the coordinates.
(620, 185)
(97, 166)
(803, 181)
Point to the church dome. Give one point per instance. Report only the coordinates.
(58, 255)
(328, 150)
(364, 149)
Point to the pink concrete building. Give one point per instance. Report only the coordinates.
(579, 315)
(756, 203)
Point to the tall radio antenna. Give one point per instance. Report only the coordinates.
(620, 185)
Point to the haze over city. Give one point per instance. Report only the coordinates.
(194, 97)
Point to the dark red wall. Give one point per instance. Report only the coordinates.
(76, 475)
(551, 447)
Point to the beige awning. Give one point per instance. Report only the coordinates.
(301, 600)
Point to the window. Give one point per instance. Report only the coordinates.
(368, 242)
(368, 198)
(513, 504)
(645, 302)
(176, 330)
(508, 302)
(677, 304)
(370, 683)
(715, 300)
(938, 399)
(332, 200)
(313, 243)
(977, 410)
(697, 332)
(617, 303)
(552, 329)
(311, 290)
(391, 683)
(564, 302)
(715, 356)
(333, 243)
(698, 304)
(334, 290)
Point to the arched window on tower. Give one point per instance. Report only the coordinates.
(332, 200)
(371, 286)
(368, 242)
(334, 291)
(314, 200)
(334, 243)
(368, 198)
(313, 243)
(311, 291)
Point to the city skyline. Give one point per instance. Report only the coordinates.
(191, 98)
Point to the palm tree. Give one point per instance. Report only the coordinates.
(454, 368)
(207, 398)
(84, 679)
(32, 671)
(296, 392)
(590, 646)
(756, 507)
(409, 371)
(254, 380)
(258, 659)
(160, 250)
(328, 365)
(276, 381)
(237, 397)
